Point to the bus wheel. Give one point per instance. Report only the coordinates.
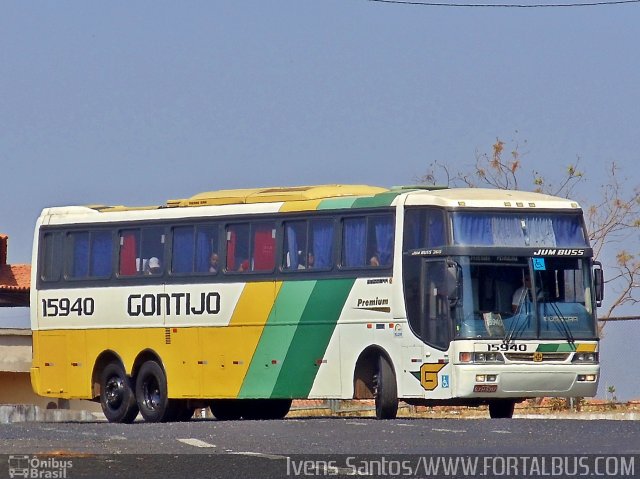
(385, 390)
(117, 397)
(151, 394)
(501, 409)
(226, 409)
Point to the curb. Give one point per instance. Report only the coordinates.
(10, 413)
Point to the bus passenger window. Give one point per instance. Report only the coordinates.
(367, 242)
(137, 247)
(90, 254)
(51, 256)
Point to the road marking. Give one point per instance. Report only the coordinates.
(196, 442)
(259, 454)
(449, 430)
(502, 432)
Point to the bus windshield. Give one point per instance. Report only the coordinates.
(518, 229)
(516, 298)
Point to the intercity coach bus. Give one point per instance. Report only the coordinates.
(242, 300)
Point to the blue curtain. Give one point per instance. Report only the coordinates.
(292, 248)
(508, 231)
(540, 231)
(203, 252)
(80, 255)
(183, 253)
(322, 243)
(472, 229)
(354, 242)
(435, 229)
(384, 239)
(101, 254)
(568, 231)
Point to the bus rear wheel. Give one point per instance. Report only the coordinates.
(501, 408)
(385, 390)
(151, 394)
(117, 397)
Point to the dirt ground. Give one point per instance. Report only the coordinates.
(539, 406)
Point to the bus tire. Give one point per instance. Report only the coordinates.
(386, 390)
(226, 409)
(117, 396)
(501, 408)
(151, 394)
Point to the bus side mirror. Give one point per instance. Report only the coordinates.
(598, 282)
(453, 283)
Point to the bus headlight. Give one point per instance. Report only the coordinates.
(481, 358)
(585, 358)
(586, 378)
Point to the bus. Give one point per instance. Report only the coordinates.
(244, 300)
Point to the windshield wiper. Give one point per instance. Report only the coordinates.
(521, 319)
(561, 324)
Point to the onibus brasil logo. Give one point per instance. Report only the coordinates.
(40, 468)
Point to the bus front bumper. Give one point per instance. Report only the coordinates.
(525, 380)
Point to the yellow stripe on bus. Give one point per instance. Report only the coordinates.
(232, 347)
(585, 348)
(306, 205)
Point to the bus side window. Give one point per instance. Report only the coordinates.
(51, 256)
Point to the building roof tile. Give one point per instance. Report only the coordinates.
(15, 278)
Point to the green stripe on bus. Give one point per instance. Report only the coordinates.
(312, 337)
(556, 348)
(277, 335)
(381, 199)
(336, 203)
(547, 348)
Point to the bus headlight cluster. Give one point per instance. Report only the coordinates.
(587, 378)
(585, 358)
(481, 358)
(486, 378)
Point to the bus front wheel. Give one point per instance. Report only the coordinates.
(386, 390)
(117, 397)
(151, 394)
(501, 408)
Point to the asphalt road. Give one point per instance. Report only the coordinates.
(210, 448)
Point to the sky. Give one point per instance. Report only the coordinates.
(140, 102)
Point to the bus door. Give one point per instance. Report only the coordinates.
(438, 295)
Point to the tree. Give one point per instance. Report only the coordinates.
(612, 216)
